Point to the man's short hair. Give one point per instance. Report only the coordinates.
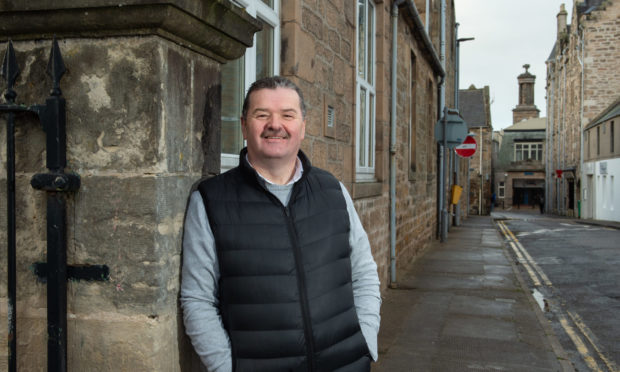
(273, 82)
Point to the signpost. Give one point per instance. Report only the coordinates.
(451, 129)
(468, 148)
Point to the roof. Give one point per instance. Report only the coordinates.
(414, 21)
(472, 107)
(529, 124)
(610, 112)
(552, 55)
(588, 6)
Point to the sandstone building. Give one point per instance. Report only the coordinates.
(153, 98)
(519, 170)
(475, 107)
(583, 80)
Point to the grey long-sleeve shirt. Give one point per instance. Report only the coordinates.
(200, 276)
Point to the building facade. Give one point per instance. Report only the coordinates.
(583, 79)
(601, 166)
(153, 105)
(520, 171)
(475, 107)
(519, 179)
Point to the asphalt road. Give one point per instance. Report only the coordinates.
(573, 271)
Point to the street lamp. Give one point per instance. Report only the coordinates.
(457, 214)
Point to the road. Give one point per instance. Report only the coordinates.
(573, 271)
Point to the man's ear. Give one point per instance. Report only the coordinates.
(244, 128)
(303, 129)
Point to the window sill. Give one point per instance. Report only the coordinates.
(362, 190)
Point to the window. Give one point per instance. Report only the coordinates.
(528, 151)
(588, 144)
(365, 87)
(501, 189)
(262, 60)
(432, 145)
(598, 140)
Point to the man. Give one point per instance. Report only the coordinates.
(277, 270)
(541, 203)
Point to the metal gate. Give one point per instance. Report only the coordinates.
(57, 184)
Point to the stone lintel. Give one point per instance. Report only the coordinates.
(215, 28)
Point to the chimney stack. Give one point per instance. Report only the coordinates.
(562, 21)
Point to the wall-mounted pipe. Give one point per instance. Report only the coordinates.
(442, 105)
(393, 98)
(581, 126)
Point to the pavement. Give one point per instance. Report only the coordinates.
(463, 306)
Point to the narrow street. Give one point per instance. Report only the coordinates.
(572, 271)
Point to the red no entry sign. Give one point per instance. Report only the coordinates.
(467, 148)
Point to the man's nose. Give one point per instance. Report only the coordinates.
(274, 122)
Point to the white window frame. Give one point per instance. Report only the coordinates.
(259, 10)
(531, 148)
(366, 170)
(501, 190)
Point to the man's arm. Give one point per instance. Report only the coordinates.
(366, 286)
(200, 275)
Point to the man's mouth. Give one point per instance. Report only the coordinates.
(275, 137)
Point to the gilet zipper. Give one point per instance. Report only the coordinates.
(303, 295)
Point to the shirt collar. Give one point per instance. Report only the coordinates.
(299, 170)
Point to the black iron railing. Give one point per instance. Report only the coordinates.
(57, 184)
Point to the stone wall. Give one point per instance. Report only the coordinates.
(318, 42)
(137, 116)
(143, 124)
(319, 53)
(482, 173)
(416, 171)
(571, 105)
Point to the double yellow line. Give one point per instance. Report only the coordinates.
(524, 258)
(538, 278)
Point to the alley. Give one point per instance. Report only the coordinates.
(571, 268)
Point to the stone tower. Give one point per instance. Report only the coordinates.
(526, 109)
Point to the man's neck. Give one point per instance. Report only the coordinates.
(275, 172)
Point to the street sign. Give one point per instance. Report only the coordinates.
(455, 127)
(468, 148)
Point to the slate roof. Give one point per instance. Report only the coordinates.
(472, 108)
(552, 55)
(529, 125)
(610, 112)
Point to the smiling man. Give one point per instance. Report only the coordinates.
(278, 273)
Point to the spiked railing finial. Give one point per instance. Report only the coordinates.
(55, 68)
(10, 72)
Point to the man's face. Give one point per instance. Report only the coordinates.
(274, 126)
